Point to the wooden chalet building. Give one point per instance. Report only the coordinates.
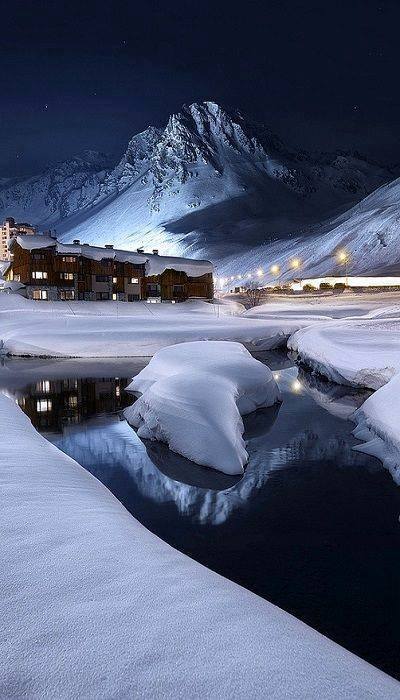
(50, 270)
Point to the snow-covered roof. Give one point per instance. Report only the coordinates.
(155, 264)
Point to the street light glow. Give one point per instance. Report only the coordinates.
(343, 256)
(295, 263)
(275, 269)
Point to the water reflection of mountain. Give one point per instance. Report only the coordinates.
(297, 433)
(111, 450)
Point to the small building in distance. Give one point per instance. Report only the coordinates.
(50, 270)
(367, 281)
(11, 229)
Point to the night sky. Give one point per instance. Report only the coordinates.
(78, 75)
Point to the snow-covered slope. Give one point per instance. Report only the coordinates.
(209, 183)
(369, 232)
(58, 192)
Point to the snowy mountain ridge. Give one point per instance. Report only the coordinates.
(210, 184)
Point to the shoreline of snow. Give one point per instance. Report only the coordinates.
(99, 607)
(362, 353)
(193, 397)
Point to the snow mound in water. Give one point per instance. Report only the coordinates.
(193, 396)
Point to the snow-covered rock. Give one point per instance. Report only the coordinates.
(192, 397)
(96, 606)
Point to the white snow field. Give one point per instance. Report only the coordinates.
(362, 352)
(192, 397)
(114, 329)
(95, 606)
(122, 329)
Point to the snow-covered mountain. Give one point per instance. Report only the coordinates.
(209, 184)
(57, 193)
(369, 232)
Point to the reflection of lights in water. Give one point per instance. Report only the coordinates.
(296, 386)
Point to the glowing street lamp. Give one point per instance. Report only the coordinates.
(295, 263)
(343, 258)
(275, 269)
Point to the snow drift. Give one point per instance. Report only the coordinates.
(119, 329)
(193, 396)
(93, 605)
(363, 353)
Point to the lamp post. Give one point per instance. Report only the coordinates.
(343, 258)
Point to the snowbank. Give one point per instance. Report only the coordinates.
(96, 606)
(359, 352)
(118, 329)
(379, 426)
(362, 353)
(193, 396)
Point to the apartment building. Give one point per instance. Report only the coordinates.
(11, 229)
(50, 270)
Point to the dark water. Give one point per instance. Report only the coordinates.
(312, 526)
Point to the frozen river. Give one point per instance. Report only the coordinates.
(312, 526)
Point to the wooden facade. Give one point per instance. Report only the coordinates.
(49, 274)
(176, 286)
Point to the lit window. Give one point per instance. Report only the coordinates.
(39, 294)
(67, 294)
(17, 278)
(39, 275)
(43, 405)
(72, 401)
(134, 280)
(43, 386)
(115, 280)
(114, 296)
(67, 275)
(117, 391)
(68, 258)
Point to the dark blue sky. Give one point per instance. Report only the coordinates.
(77, 75)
